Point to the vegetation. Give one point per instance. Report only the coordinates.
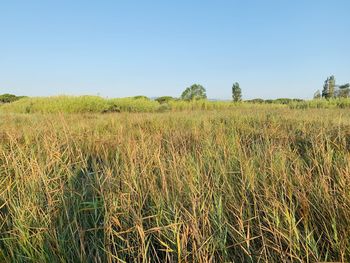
(82, 104)
(165, 99)
(236, 92)
(343, 91)
(93, 104)
(7, 98)
(141, 97)
(317, 95)
(195, 92)
(193, 98)
(322, 103)
(331, 90)
(260, 183)
(275, 101)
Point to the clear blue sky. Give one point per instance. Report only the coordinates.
(273, 48)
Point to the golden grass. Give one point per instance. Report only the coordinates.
(244, 185)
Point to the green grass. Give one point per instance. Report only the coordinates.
(241, 184)
(340, 103)
(95, 104)
(79, 104)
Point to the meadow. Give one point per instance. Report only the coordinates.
(186, 182)
(96, 104)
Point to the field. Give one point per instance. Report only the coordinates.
(95, 104)
(229, 183)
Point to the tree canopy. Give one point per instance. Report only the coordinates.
(236, 92)
(331, 90)
(195, 92)
(7, 98)
(328, 87)
(317, 95)
(343, 91)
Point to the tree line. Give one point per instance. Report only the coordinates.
(198, 92)
(332, 90)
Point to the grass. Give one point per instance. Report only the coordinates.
(80, 104)
(242, 184)
(95, 104)
(340, 103)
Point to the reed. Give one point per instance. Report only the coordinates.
(232, 185)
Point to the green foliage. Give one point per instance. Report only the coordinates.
(82, 104)
(286, 100)
(8, 98)
(257, 100)
(93, 104)
(134, 105)
(236, 92)
(329, 89)
(164, 107)
(317, 95)
(195, 92)
(141, 97)
(165, 99)
(343, 91)
(344, 86)
(322, 104)
(183, 105)
(275, 101)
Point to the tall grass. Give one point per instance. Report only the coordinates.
(95, 104)
(253, 184)
(322, 104)
(79, 104)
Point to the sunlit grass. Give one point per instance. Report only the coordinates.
(95, 104)
(240, 184)
(322, 103)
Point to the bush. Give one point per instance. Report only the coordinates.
(141, 97)
(8, 98)
(341, 103)
(258, 100)
(164, 107)
(164, 99)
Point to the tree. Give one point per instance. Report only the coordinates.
(7, 98)
(236, 92)
(329, 88)
(325, 89)
(317, 95)
(344, 91)
(195, 92)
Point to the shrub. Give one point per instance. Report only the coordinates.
(8, 98)
(164, 99)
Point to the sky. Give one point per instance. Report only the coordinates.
(273, 48)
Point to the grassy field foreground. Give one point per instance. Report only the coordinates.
(246, 185)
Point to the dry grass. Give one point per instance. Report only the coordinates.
(249, 185)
